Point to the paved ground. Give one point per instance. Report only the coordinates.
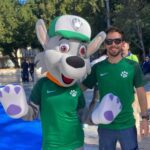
(91, 137)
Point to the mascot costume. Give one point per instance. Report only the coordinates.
(57, 96)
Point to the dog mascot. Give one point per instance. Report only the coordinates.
(57, 96)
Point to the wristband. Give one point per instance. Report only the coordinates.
(145, 117)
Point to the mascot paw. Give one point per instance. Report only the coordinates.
(107, 110)
(13, 100)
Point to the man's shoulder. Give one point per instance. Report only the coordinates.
(100, 59)
(131, 63)
(101, 63)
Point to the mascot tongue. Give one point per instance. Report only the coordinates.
(67, 80)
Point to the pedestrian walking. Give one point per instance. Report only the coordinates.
(119, 76)
(146, 65)
(31, 69)
(24, 71)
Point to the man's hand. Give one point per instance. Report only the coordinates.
(144, 128)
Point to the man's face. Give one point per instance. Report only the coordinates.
(113, 44)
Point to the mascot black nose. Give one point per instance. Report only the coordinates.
(75, 62)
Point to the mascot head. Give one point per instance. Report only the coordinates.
(67, 45)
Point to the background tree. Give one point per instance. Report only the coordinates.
(131, 16)
(17, 22)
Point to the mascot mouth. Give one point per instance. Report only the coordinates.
(67, 80)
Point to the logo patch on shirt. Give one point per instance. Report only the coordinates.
(124, 74)
(103, 74)
(48, 91)
(73, 93)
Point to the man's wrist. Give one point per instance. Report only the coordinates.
(145, 117)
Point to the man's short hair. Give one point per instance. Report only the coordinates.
(115, 29)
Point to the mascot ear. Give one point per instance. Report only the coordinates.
(39, 62)
(94, 45)
(42, 33)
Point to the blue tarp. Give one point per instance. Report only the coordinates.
(16, 134)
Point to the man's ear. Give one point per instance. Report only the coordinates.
(94, 45)
(41, 33)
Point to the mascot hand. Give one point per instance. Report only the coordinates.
(106, 111)
(13, 100)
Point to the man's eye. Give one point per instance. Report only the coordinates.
(64, 48)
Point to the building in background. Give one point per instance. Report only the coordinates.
(28, 54)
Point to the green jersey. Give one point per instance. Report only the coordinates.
(119, 79)
(61, 126)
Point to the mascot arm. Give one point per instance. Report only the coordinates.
(13, 99)
(32, 113)
(107, 110)
(104, 112)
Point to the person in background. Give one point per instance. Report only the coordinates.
(119, 76)
(127, 53)
(31, 69)
(146, 65)
(25, 72)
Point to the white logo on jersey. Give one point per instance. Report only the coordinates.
(48, 92)
(124, 74)
(73, 93)
(103, 74)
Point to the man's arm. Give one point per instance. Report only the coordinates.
(144, 127)
(142, 100)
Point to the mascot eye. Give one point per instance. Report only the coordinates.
(64, 48)
(82, 51)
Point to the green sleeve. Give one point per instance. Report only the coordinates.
(91, 80)
(138, 77)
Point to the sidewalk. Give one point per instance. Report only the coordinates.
(91, 137)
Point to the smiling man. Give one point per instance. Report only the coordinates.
(116, 78)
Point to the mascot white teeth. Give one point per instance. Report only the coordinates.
(57, 96)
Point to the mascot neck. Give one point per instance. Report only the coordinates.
(53, 79)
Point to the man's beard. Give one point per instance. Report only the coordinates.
(114, 54)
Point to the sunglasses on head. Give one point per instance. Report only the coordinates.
(116, 41)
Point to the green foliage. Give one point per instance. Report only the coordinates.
(131, 16)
